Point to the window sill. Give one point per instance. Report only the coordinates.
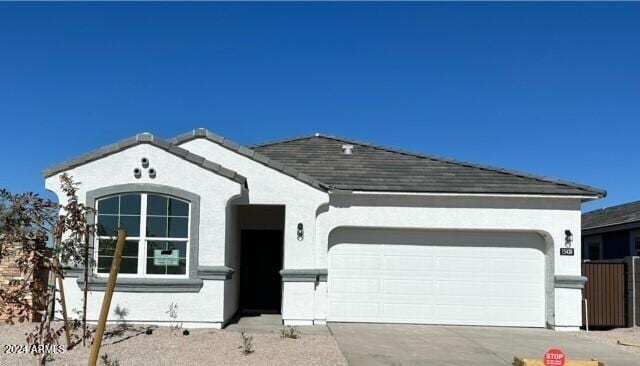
(145, 284)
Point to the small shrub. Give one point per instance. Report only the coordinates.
(106, 361)
(247, 344)
(290, 332)
(173, 314)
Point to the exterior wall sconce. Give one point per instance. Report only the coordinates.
(145, 162)
(300, 231)
(137, 172)
(152, 173)
(568, 238)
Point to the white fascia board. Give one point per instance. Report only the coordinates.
(444, 194)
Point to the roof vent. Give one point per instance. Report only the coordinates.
(347, 149)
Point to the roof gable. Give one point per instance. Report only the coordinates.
(378, 168)
(146, 138)
(249, 153)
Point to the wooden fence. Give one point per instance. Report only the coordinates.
(605, 294)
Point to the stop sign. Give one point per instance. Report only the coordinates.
(554, 357)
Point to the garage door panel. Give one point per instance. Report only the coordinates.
(519, 291)
(453, 264)
(409, 263)
(408, 287)
(351, 261)
(528, 266)
(356, 285)
(408, 312)
(498, 279)
(461, 289)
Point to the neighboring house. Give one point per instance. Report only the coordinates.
(612, 232)
(322, 229)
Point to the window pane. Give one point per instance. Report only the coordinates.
(106, 247)
(107, 225)
(153, 269)
(155, 245)
(108, 205)
(130, 248)
(156, 205)
(166, 257)
(132, 224)
(130, 204)
(129, 265)
(594, 251)
(178, 270)
(104, 264)
(178, 208)
(178, 227)
(157, 226)
(181, 247)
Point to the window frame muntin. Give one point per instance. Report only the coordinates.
(142, 239)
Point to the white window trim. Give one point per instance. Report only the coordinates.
(591, 240)
(143, 239)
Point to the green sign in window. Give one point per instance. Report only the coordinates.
(168, 258)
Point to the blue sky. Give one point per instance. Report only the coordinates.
(546, 88)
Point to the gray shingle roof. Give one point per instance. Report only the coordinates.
(377, 168)
(614, 215)
(146, 138)
(319, 161)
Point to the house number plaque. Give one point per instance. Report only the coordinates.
(566, 251)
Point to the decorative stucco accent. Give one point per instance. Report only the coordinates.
(304, 275)
(193, 198)
(145, 284)
(249, 153)
(146, 138)
(565, 281)
(215, 272)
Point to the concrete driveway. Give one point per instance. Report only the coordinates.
(397, 344)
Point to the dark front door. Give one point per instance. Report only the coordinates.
(261, 258)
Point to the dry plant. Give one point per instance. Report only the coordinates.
(40, 235)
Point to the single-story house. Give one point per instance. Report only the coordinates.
(612, 232)
(321, 228)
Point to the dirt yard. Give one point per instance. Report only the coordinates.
(626, 338)
(201, 347)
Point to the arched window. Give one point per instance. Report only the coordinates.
(157, 234)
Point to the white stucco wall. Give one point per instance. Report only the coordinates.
(214, 191)
(270, 187)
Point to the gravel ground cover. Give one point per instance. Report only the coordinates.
(630, 337)
(167, 346)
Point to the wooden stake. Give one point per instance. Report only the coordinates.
(85, 289)
(108, 294)
(64, 312)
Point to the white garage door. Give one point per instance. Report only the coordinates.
(436, 277)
